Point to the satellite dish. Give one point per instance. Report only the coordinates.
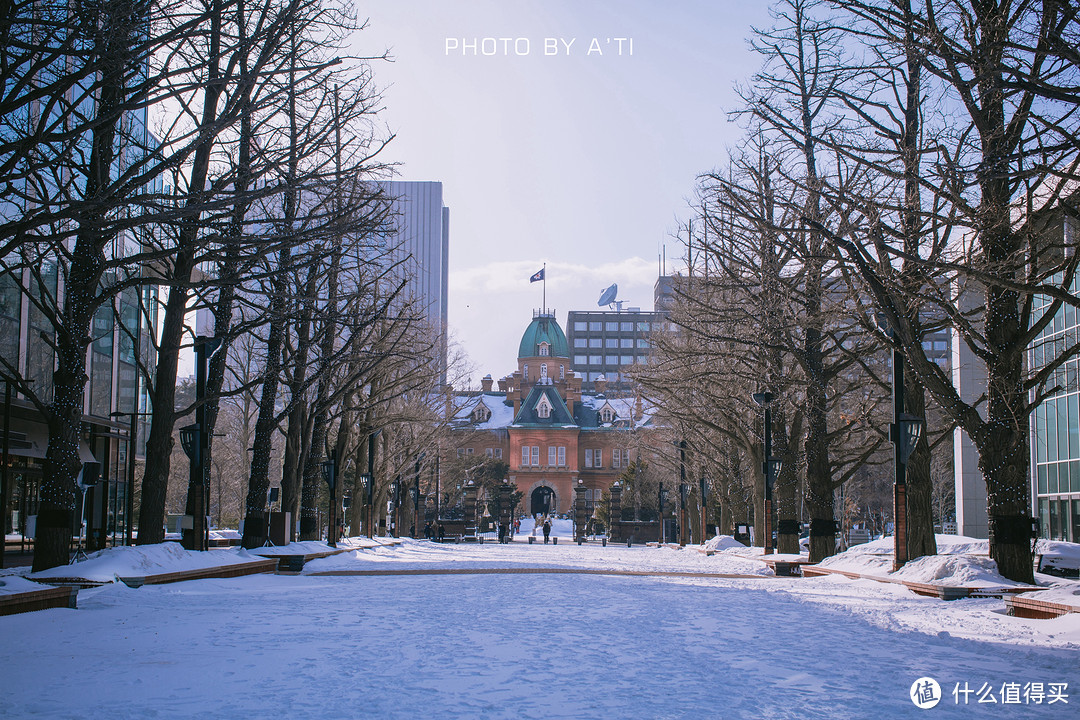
(608, 296)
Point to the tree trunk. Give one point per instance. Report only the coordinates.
(920, 487)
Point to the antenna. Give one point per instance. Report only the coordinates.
(607, 297)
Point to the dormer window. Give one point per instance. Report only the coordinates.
(607, 414)
(481, 413)
(544, 349)
(543, 371)
(543, 408)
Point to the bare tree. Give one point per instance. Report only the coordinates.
(1000, 182)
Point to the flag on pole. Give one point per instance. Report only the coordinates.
(537, 276)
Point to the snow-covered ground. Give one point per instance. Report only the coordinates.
(535, 645)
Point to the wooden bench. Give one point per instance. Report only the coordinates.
(50, 597)
(221, 571)
(296, 562)
(786, 567)
(943, 592)
(1032, 608)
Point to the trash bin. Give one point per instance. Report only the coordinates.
(531, 539)
(554, 541)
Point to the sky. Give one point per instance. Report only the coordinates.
(555, 149)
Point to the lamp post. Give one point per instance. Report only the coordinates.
(192, 441)
(770, 467)
(4, 469)
(704, 488)
(662, 500)
(371, 481)
(196, 444)
(904, 432)
(365, 515)
(395, 488)
(329, 471)
(684, 490)
(416, 496)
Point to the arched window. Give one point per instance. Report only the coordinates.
(543, 408)
(543, 371)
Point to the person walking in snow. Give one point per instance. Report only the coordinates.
(547, 530)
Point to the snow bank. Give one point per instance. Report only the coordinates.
(722, 542)
(964, 570)
(960, 561)
(140, 560)
(1066, 592)
(10, 584)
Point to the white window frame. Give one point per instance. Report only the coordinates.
(598, 458)
(536, 455)
(562, 456)
(553, 455)
(524, 456)
(588, 457)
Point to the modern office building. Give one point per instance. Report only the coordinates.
(421, 238)
(605, 342)
(1055, 424)
(115, 402)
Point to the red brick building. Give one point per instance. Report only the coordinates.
(553, 436)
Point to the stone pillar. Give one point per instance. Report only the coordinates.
(580, 516)
(615, 512)
(470, 509)
(505, 491)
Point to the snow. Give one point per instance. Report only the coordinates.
(723, 542)
(107, 565)
(545, 645)
(17, 584)
(960, 561)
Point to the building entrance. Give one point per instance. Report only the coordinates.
(542, 501)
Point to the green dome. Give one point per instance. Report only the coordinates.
(543, 328)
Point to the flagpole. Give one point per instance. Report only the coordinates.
(545, 288)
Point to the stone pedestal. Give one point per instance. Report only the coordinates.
(470, 509)
(615, 512)
(580, 515)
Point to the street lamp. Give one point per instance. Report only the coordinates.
(684, 491)
(329, 471)
(395, 489)
(416, 495)
(904, 432)
(770, 467)
(191, 439)
(365, 482)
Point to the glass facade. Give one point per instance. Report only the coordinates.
(1055, 424)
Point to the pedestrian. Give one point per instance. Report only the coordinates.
(442, 533)
(502, 533)
(427, 530)
(547, 530)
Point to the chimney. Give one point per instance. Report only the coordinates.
(502, 384)
(485, 383)
(601, 385)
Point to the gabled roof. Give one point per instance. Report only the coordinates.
(560, 416)
(501, 413)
